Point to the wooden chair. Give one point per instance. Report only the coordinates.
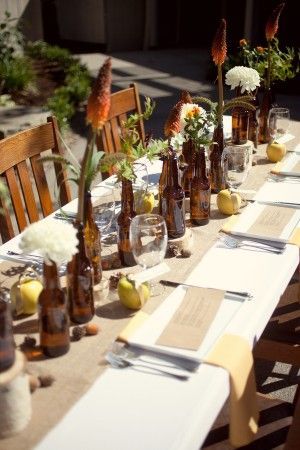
(122, 102)
(26, 178)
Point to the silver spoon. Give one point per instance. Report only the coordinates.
(118, 361)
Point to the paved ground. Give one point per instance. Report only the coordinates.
(162, 75)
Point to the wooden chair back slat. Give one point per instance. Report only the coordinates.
(16, 199)
(109, 138)
(115, 130)
(41, 185)
(26, 179)
(27, 191)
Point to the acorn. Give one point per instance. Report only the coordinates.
(92, 329)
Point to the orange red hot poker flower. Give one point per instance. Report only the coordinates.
(272, 23)
(99, 99)
(219, 47)
(172, 125)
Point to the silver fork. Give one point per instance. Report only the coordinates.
(232, 242)
(121, 362)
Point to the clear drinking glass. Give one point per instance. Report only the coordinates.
(236, 162)
(278, 122)
(149, 239)
(103, 201)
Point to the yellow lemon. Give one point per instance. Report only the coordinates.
(29, 292)
(130, 296)
(276, 151)
(144, 202)
(228, 203)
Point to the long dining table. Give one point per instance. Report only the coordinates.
(93, 405)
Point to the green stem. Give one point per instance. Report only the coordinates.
(82, 185)
(269, 66)
(221, 96)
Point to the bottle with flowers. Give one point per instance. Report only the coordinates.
(246, 81)
(122, 164)
(196, 128)
(273, 64)
(57, 243)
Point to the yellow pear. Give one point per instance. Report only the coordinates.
(144, 202)
(129, 295)
(228, 202)
(276, 151)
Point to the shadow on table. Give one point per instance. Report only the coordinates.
(113, 310)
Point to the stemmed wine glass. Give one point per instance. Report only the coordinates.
(103, 201)
(148, 239)
(278, 121)
(236, 162)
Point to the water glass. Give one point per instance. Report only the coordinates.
(236, 162)
(103, 201)
(278, 121)
(148, 239)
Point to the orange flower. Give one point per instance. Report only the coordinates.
(219, 47)
(243, 42)
(186, 97)
(172, 125)
(260, 49)
(99, 100)
(272, 23)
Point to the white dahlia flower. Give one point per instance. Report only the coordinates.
(244, 77)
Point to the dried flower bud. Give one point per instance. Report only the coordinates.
(260, 49)
(219, 47)
(78, 332)
(243, 42)
(185, 97)
(272, 23)
(99, 100)
(46, 380)
(172, 125)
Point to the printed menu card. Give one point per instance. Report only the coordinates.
(269, 222)
(190, 322)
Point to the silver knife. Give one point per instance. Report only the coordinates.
(175, 284)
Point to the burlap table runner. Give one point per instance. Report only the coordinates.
(76, 371)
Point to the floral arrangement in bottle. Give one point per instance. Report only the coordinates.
(244, 122)
(272, 63)
(55, 241)
(132, 147)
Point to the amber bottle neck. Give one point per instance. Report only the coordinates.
(200, 164)
(172, 171)
(127, 199)
(88, 207)
(50, 274)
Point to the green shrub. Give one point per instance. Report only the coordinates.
(61, 106)
(16, 74)
(76, 84)
(15, 69)
(53, 53)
